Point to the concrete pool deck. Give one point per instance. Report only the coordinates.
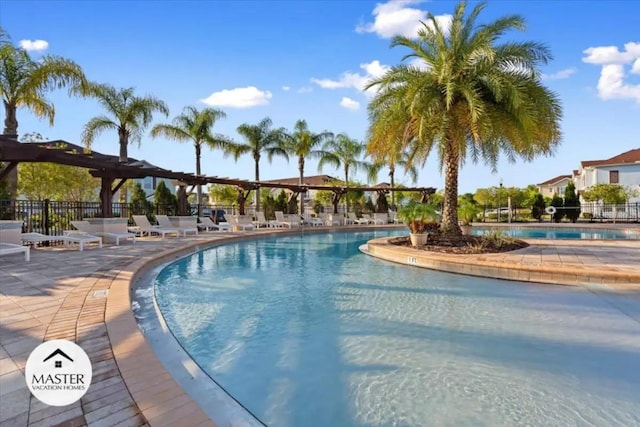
(85, 297)
(615, 263)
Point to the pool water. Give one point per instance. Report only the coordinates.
(559, 233)
(304, 330)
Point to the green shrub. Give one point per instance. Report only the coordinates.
(417, 216)
(557, 203)
(166, 202)
(537, 209)
(571, 203)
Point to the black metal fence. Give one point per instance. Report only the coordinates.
(53, 217)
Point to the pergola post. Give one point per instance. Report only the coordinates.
(242, 198)
(182, 200)
(425, 194)
(380, 194)
(335, 200)
(292, 202)
(106, 197)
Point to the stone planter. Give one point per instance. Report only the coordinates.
(466, 229)
(418, 240)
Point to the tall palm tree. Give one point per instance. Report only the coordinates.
(343, 151)
(474, 97)
(260, 138)
(302, 143)
(197, 127)
(394, 160)
(24, 82)
(130, 115)
(387, 140)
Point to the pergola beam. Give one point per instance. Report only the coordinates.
(108, 168)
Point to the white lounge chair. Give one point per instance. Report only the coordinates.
(78, 238)
(285, 221)
(312, 221)
(144, 226)
(380, 218)
(351, 219)
(365, 219)
(165, 222)
(87, 227)
(241, 222)
(392, 216)
(207, 224)
(293, 219)
(262, 221)
(10, 248)
(330, 219)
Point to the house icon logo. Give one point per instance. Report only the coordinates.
(58, 361)
(58, 372)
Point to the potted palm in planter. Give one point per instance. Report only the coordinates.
(467, 212)
(417, 217)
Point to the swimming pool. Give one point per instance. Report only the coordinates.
(304, 330)
(559, 232)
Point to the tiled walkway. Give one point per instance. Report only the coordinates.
(84, 296)
(62, 294)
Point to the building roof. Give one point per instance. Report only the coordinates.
(631, 156)
(308, 180)
(556, 179)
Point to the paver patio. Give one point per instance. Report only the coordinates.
(84, 297)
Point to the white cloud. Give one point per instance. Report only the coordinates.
(350, 104)
(562, 74)
(611, 55)
(242, 97)
(612, 83)
(354, 80)
(305, 89)
(34, 45)
(286, 88)
(396, 18)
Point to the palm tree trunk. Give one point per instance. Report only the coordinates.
(199, 189)
(123, 158)
(11, 132)
(124, 145)
(10, 121)
(301, 182)
(392, 173)
(450, 209)
(257, 166)
(346, 184)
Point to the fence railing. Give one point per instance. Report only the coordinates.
(590, 211)
(624, 212)
(54, 217)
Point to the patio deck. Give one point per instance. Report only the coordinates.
(84, 297)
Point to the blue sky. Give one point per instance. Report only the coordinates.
(293, 60)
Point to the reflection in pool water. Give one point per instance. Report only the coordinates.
(559, 233)
(305, 331)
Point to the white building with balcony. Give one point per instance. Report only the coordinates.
(623, 169)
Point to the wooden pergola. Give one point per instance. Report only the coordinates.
(113, 173)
